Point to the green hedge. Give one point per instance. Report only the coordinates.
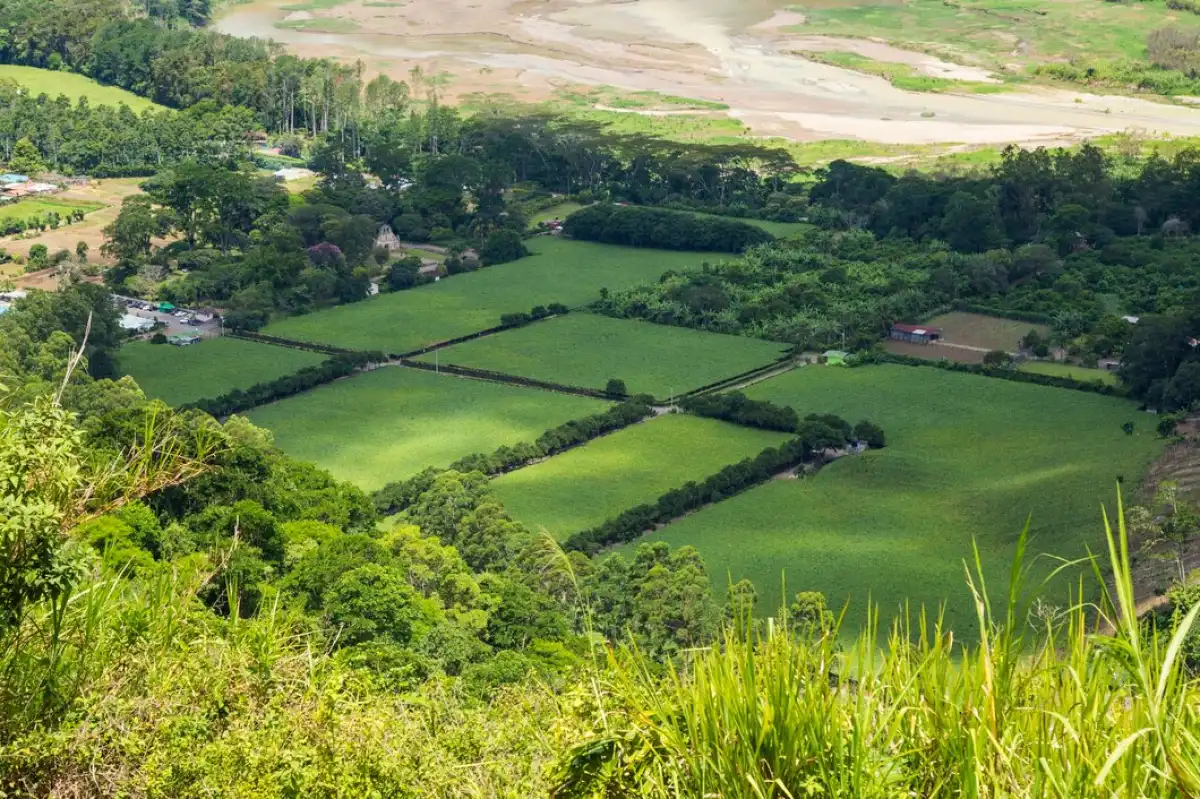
(1003, 373)
(737, 408)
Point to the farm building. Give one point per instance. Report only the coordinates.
(835, 357)
(11, 180)
(1109, 364)
(915, 334)
(184, 340)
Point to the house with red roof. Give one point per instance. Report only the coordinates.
(916, 334)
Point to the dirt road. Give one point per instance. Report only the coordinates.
(737, 52)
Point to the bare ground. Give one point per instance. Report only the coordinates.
(736, 52)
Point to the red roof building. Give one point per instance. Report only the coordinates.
(917, 334)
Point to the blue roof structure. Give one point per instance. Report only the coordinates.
(9, 178)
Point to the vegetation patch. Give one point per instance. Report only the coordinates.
(320, 25)
(1070, 370)
(30, 208)
(563, 271)
(968, 459)
(54, 83)
(390, 423)
(587, 350)
(587, 485)
(179, 375)
(903, 76)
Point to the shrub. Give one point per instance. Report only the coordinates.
(501, 247)
(737, 408)
(616, 388)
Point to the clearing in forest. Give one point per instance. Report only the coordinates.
(1070, 370)
(54, 83)
(559, 270)
(586, 350)
(209, 369)
(390, 423)
(967, 337)
(969, 458)
(587, 485)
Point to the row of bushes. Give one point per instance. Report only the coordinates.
(308, 378)
(736, 407)
(813, 436)
(638, 226)
(397, 496)
(39, 222)
(535, 313)
(1019, 316)
(1002, 372)
(328, 349)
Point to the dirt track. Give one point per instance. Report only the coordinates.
(738, 52)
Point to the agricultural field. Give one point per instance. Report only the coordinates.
(587, 485)
(587, 350)
(969, 458)
(1070, 370)
(40, 206)
(560, 211)
(570, 272)
(209, 369)
(54, 83)
(984, 332)
(391, 423)
(104, 195)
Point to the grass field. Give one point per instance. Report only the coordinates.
(560, 211)
(389, 424)
(903, 76)
(989, 332)
(997, 32)
(584, 486)
(213, 367)
(968, 458)
(53, 83)
(587, 350)
(1070, 370)
(24, 209)
(570, 272)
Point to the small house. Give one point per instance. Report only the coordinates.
(835, 357)
(10, 179)
(1109, 364)
(183, 340)
(915, 334)
(165, 307)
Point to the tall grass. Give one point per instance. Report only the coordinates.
(1042, 704)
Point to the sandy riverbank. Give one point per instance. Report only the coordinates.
(737, 52)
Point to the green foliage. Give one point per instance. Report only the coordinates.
(501, 247)
(657, 227)
(25, 158)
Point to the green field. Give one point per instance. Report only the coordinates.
(560, 211)
(570, 272)
(1070, 370)
(53, 83)
(584, 486)
(206, 370)
(969, 457)
(24, 209)
(586, 350)
(389, 424)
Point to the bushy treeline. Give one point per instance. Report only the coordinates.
(537, 312)
(397, 496)
(76, 137)
(241, 400)
(736, 407)
(814, 436)
(1002, 372)
(637, 226)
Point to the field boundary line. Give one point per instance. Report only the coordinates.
(262, 338)
(502, 377)
(743, 379)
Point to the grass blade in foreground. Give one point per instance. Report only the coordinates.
(781, 711)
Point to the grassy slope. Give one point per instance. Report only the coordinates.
(587, 350)
(52, 83)
(210, 368)
(390, 423)
(563, 271)
(586, 485)
(968, 458)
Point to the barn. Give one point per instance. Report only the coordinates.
(915, 334)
